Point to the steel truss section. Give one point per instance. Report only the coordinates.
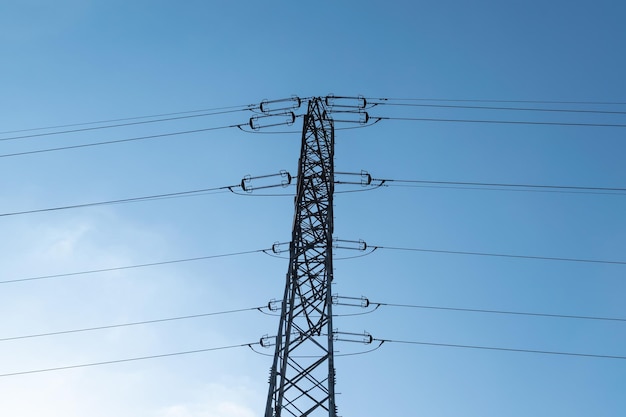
(302, 377)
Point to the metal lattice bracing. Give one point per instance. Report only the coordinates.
(302, 378)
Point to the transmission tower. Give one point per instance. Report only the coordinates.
(302, 377)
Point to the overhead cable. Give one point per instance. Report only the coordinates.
(487, 188)
(543, 352)
(552, 188)
(509, 122)
(119, 268)
(260, 309)
(608, 103)
(136, 323)
(269, 250)
(382, 341)
(120, 201)
(531, 109)
(109, 142)
(85, 129)
(165, 355)
(380, 101)
(124, 119)
(504, 312)
(381, 182)
(501, 255)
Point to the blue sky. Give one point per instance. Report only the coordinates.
(80, 61)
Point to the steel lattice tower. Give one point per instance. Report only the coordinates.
(302, 377)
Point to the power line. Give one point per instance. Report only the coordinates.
(608, 103)
(386, 101)
(119, 125)
(120, 201)
(518, 190)
(267, 250)
(382, 341)
(532, 109)
(177, 194)
(165, 355)
(109, 142)
(543, 352)
(136, 323)
(502, 255)
(380, 101)
(553, 188)
(517, 313)
(119, 268)
(514, 122)
(383, 182)
(259, 308)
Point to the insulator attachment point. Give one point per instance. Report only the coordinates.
(365, 302)
(362, 301)
(266, 341)
(272, 119)
(364, 337)
(286, 178)
(346, 116)
(273, 305)
(281, 105)
(345, 102)
(276, 247)
(366, 178)
(359, 245)
(246, 182)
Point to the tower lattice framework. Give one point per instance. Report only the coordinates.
(302, 377)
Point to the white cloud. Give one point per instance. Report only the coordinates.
(155, 388)
(229, 399)
(52, 395)
(62, 243)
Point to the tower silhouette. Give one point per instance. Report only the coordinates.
(302, 377)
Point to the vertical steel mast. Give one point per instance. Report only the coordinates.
(302, 378)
